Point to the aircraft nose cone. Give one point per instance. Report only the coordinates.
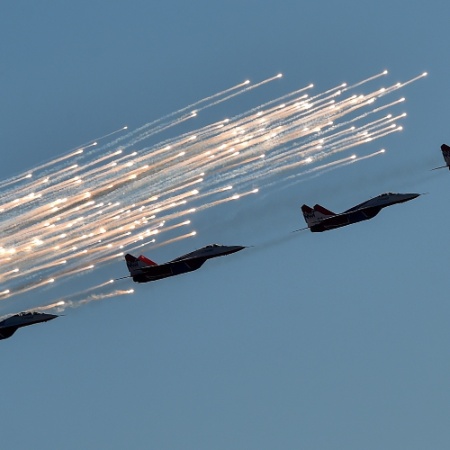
(401, 198)
(50, 316)
(236, 248)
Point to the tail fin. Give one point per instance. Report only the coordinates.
(309, 215)
(135, 265)
(322, 212)
(315, 215)
(446, 154)
(146, 261)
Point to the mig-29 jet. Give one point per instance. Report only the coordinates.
(143, 270)
(320, 219)
(10, 325)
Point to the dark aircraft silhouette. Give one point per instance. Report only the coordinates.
(320, 219)
(10, 325)
(446, 154)
(143, 270)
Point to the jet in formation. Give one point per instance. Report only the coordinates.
(446, 154)
(143, 270)
(10, 325)
(320, 219)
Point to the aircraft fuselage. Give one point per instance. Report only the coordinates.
(346, 218)
(364, 211)
(10, 325)
(183, 264)
(159, 272)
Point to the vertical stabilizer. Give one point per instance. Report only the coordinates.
(146, 261)
(322, 212)
(446, 154)
(316, 215)
(310, 216)
(135, 265)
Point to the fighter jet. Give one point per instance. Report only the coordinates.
(143, 270)
(320, 219)
(446, 154)
(10, 325)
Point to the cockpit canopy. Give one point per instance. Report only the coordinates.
(28, 314)
(386, 194)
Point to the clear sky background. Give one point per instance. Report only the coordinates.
(332, 340)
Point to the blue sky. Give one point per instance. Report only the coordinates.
(332, 340)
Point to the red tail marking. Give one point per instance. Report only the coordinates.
(147, 261)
